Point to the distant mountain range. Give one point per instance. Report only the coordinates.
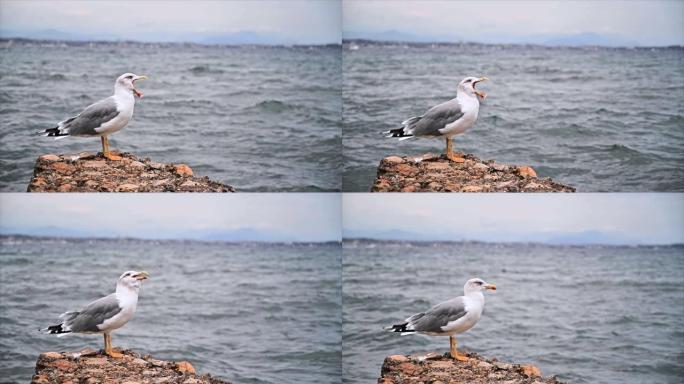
(255, 235)
(236, 235)
(579, 39)
(256, 38)
(237, 38)
(576, 238)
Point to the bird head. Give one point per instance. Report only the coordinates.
(467, 85)
(477, 285)
(132, 279)
(127, 82)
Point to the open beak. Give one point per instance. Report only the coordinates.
(142, 275)
(480, 93)
(490, 286)
(135, 91)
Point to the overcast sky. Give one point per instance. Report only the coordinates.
(649, 22)
(302, 217)
(628, 218)
(303, 22)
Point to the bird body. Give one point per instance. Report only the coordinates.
(104, 117)
(450, 317)
(447, 119)
(106, 314)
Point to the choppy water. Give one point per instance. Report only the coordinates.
(587, 314)
(257, 118)
(597, 119)
(244, 312)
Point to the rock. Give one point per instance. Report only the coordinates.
(182, 170)
(394, 160)
(54, 367)
(62, 167)
(472, 188)
(50, 355)
(136, 164)
(435, 368)
(127, 188)
(94, 164)
(527, 172)
(49, 158)
(530, 370)
(184, 366)
(94, 173)
(398, 358)
(439, 174)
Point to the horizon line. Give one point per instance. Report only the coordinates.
(531, 242)
(472, 42)
(341, 241)
(81, 41)
(93, 237)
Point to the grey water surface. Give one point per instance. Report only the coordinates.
(248, 313)
(598, 119)
(257, 118)
(590, 314)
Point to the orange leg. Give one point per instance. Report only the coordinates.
(454, 352)
(105, 150)
(450, 152)
(109, 351)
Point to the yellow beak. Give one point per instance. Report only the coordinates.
(142, 77)
(490, 286)
(142, 275)
(482, 79)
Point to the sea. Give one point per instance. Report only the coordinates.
(244, 312)
(598, 119)
(587, 314)
(259, 118)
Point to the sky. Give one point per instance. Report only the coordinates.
(649, 22)
(629, 219)
(263, 217)
(295, 21)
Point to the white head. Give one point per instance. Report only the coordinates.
(477, 285)
(132, 280)
(126, 82)
(467, 86)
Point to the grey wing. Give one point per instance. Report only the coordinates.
(438, 316)
(92, 117)
(92, 315)
(436, 118)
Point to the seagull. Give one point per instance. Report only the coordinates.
(450, 317)
(447, 119)
(106, 314)
(104, 117)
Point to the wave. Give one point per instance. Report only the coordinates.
(272, 106)
(205, 69)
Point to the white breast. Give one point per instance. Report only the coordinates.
(474, 309)
(125, 107)
(129, 303)
(470, 107)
